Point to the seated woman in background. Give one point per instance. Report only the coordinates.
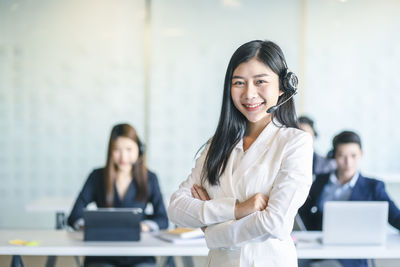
(345, 183)
(124, 182)
(320, 164)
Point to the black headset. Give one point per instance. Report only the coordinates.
(289, 81)
(141, 147)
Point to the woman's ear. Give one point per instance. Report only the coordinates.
(280, 92)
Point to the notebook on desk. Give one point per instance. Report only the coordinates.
(355, 222)
(112, 224)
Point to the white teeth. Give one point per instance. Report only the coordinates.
(253, 106)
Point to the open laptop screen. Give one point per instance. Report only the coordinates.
(355, 222)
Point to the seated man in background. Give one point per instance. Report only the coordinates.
(320, 164)
(343, 184)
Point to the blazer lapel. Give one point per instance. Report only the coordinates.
(359, 189)
(318, 186)
(256, 150)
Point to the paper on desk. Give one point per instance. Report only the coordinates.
(20, 242)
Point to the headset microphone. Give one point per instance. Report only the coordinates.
(274, 108)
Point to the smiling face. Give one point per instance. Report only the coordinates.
(254, 89)
(125, 153)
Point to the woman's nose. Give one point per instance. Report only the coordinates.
(251, 91)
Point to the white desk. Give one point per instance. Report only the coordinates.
(62, 243)
(309, 248)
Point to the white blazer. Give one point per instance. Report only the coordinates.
(279, 165)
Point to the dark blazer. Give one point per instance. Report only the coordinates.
(93, 191)
(365, 189)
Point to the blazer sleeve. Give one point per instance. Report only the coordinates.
(186, 211)
(310, 214)
(86, 196)
(288, 193)
(394, 212)
(159, 215)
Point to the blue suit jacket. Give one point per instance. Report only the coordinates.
(365, 189)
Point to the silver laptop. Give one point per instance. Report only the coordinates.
(355, 222)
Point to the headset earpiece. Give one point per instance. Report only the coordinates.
(141, 148)
(289, 81)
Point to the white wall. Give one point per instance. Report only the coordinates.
(353, 49)
(69, 70)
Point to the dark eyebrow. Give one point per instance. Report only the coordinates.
(260, 75)
(255, 76)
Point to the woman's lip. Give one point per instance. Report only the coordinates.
(252, 107)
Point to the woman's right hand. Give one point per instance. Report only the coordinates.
(258, 202)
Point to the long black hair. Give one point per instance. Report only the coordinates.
(232, 124)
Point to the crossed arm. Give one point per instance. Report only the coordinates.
(228, 223)
(257, 202)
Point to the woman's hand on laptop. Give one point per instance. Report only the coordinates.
(144, 227)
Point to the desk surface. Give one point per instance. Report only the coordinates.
(62, 243)
(309, 246)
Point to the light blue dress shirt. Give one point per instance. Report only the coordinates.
(334, 191)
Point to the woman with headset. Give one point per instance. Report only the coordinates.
(255, 171)
(125, 182)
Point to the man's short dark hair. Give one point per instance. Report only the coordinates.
(345, 137)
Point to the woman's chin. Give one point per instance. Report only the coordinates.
(125, 167)
(259, 118)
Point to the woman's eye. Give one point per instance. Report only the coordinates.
(260, 81)
(238, 83)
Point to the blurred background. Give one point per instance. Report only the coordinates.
(70, 70)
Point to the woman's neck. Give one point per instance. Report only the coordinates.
(255, 128)
(122, 175)
(253, 131)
